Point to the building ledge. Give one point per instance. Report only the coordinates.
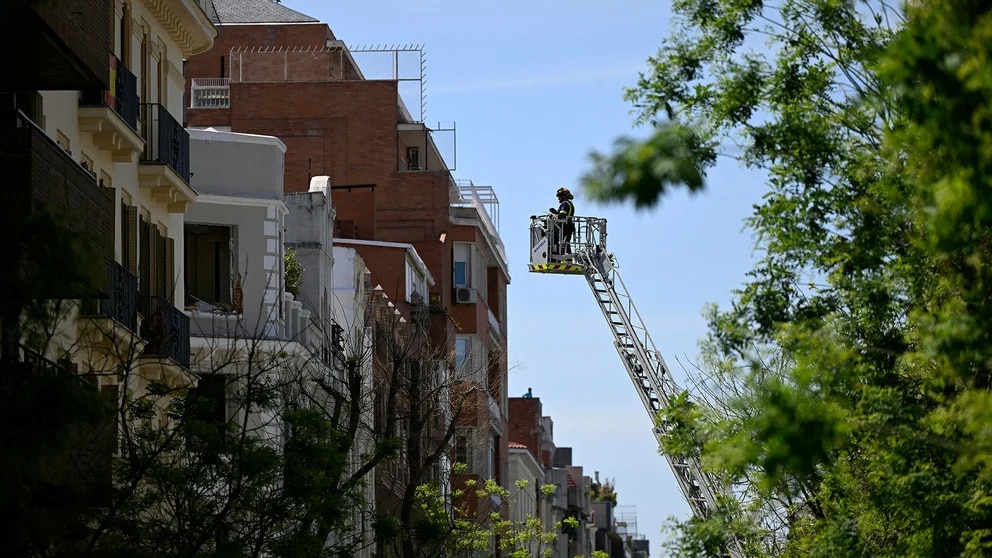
(165, 370)
(110, 132)
(166, 186)
(110, 337)
(186, 22)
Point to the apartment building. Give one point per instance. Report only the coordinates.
(95, 166)
(577, 495)
(92, 133)
(274, 71)
(113, 139)
(246, 330)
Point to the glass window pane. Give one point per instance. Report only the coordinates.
(461, 351)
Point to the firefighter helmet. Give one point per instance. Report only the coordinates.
(563, 193)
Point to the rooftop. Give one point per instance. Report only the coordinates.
(254, 11)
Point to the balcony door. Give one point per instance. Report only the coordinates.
(156, 262)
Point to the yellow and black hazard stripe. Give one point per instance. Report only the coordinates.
(556, 268)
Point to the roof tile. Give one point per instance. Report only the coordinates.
(255, 11)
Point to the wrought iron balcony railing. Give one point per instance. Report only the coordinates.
(123, 95)
(121, 304)
(19, 362)
(165, 330)
(166, 141)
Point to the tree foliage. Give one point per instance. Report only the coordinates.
(450, 524)
(848, 380)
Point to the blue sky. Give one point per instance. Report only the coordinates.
(533, 87)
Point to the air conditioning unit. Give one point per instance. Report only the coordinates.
(466, 295)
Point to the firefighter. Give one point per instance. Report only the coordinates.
(563, 216)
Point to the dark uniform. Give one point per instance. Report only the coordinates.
(564, 225)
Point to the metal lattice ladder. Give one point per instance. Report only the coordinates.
(648, 372)
(643, 361)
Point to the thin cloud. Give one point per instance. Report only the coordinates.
(524, 83)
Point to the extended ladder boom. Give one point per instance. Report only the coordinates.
(586, 253)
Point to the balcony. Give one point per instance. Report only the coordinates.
(165, 329)
(40, 176)
(111, 115)
(210, 93)
(484, 201)
(120, 306)
(56, 47)
(164, 167)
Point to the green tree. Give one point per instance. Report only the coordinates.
(449, 524)
(294, 272)
(51, 420)
(858, 349)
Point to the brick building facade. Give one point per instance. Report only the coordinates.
(274, 71)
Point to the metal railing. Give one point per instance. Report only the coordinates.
(166, 141)
(210, 93)
(165, 329)
(484, 200)
(19, 362)
(122, 303)
(123, 97)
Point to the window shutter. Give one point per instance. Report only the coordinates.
(170, 270)
(145, 270)
(161, 281)
(131, 257)
(151, 245)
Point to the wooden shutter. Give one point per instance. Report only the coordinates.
(131, 256)
(152, 248)
(158, 257)
(170, 270)
(145, 270)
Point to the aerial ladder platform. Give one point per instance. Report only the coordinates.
(585, 253)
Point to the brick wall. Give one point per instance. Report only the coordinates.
(86, 28)
(208, 64)
(388, 268)
(40, 176)
(62, 45)
(345, 130)
(525, 423)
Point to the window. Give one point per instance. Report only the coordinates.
(129, 244)
(461, 450)
(413, 158)
(163, 79)
(63, 141)
(155, 262)
(463, 264)
(491, 462)
(494, 373)
(87, 163)
(463, 352)
(124, 28)
(207, 408)
(417, 284)
(208, 264)
(146, 65)
(502, 309)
